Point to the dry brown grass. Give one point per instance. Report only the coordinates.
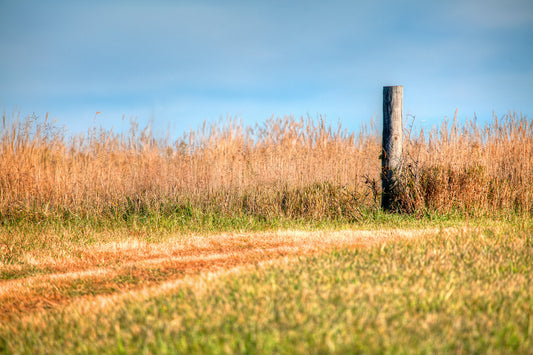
(284, 167)
(471, 168)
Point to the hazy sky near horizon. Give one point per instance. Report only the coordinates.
(180, 63)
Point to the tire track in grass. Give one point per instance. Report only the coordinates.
(110, 269)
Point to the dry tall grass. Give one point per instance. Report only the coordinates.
(284, 167)
(471, 168)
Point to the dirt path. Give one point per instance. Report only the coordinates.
(107, 270)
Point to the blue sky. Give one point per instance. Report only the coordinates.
(180, 63)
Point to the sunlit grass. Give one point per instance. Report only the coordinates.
(129, 243)
(466, 292)
(283, 168)
(58, 275)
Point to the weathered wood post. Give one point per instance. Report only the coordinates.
(391, 155)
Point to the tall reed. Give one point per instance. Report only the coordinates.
(285, 167)
(470, 168)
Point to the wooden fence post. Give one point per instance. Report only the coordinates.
(391, 155)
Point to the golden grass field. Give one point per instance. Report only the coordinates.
(285, 167)
(265, 239)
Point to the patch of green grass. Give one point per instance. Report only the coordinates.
(52, 236)
(464, 293)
